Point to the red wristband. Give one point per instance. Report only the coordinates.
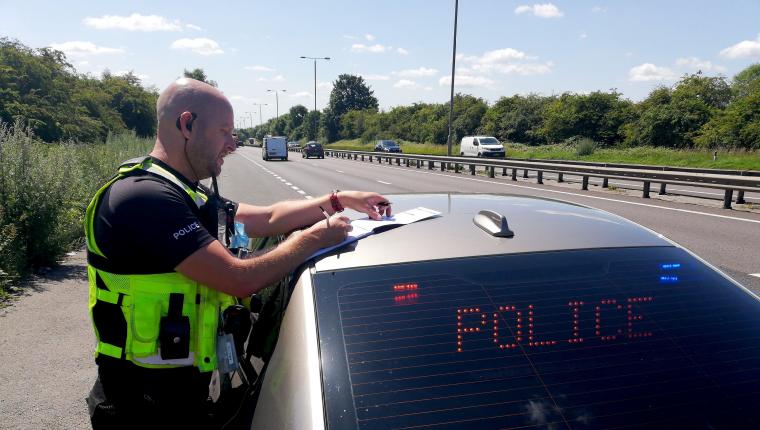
(337, 207)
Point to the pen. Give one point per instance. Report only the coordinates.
(384, 204)
(327, 217)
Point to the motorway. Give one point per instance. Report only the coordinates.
(728, 239)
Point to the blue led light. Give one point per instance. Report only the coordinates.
(668, 279)
(668, 266)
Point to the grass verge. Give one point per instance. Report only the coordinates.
(44, 191)
(737, 160)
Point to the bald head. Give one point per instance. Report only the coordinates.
(188, 95)
(204, 136)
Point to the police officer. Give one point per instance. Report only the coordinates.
(158, 275)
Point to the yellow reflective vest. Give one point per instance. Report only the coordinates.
(127, 310)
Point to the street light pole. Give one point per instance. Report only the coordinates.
(259, 106)
(453, 69)
(250, 115)
(277, 100)
(315, 75)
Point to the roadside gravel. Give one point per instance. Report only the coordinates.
(46, 342)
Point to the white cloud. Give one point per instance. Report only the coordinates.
(695, 63)
(405, 83)
(428, 88)
(345, 36)
(201, 46)
(376, 77)
(327, 85)
(259, 68)
(416, 73)
(505, 61)
(743, 49)
(369, 37)
(278, 78)
(361, 48)
(648, 72)
(83, 63)
(193, 27)
(78, 48)
(583, 36)
(547, 10)
(402, 51)
(599, 9)
(467, 81)
(134, 22)
(301, 95)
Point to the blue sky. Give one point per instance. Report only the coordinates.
(402, 47)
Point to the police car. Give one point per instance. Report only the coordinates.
(534, 313)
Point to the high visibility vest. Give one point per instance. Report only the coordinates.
(127, 310)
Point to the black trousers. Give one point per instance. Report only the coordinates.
(128, 396)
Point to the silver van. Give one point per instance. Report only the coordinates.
(481, 146)
(274, 147)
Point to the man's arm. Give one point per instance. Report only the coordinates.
(215, 267)
(283, 217)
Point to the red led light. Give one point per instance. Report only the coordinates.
(617, 320)
(406, 287)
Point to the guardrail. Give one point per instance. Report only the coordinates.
(729, 183)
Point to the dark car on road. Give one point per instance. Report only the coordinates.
(513, 312)
(387, 146)
(313, 149)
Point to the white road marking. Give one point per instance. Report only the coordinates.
(308, 197)
(578, 195)
(383, 182)
(295, 188)
(340, 171)
(301, 192)
(757, 275)
(288, 184)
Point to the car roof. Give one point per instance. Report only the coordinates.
(539, 225)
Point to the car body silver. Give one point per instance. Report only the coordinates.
(291, 396)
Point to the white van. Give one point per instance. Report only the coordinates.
(274, 147)
(481, 146)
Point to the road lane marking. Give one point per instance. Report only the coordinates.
(383, 182)
(578, 195)
(757, 275)
(295, 188)
(288, 184)
(301, 192)
(340, 171)
(563, 192)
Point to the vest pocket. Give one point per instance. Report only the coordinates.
(146, 317)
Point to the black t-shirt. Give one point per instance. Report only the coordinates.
(147, 224)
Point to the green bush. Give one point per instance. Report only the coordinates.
(584, 147)
(44, 191)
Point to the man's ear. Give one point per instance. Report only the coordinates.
(185, 121)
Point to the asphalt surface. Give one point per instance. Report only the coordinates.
(728, 239)
(46, 341)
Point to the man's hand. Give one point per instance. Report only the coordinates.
(325, 236)
(372, 204)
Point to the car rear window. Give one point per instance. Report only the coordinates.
(614, 338)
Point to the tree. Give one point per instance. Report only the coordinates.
(199, 75)
(517, 119)
(598, 116)
(350, 93)
(736, 127)
(746, 81)
(311, 125)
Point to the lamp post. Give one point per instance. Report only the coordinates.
(453, 66)
(250, 115)
(277, 100)
(259, 105)
(315, 75)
